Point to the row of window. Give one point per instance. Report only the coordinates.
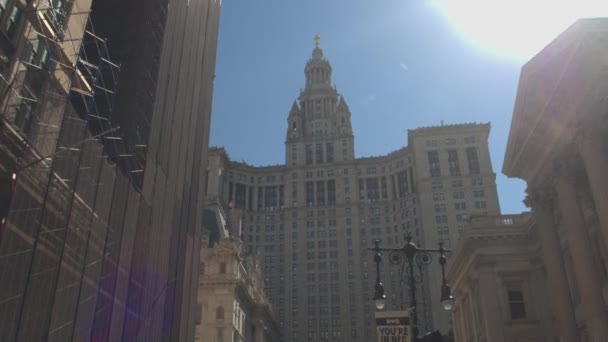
(437, 185)
(323, 153)
(453, 162)
(321, 193)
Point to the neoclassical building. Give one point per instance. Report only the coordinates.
(498, 280)
(314, 217)
(232, 305)
(558, 144)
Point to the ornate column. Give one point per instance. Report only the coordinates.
(594, 153)
(541, 200)
(580, 248)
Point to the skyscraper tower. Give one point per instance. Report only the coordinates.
(313, 218)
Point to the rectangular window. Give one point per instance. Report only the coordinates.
(461, 217)
(40, 53)
(438, 196)
(454, 166)
(383, 187)
(373, 191)
(433, 158)
(473, 161)
(331, 192)
(441, 219)
(460, 206)
(361, 189)
(330, 152)
(270, 198)
(240, 195)
(319, 153)
(437, 185)
(440, 208)
(24, 113)
(516, 303)
(321, 193)
(12, 22)
(308, 154)
(260, 191)
(402, 183)
(480, 204)
(310, 193)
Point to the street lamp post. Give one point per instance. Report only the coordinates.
(410, 251)
(379, 296)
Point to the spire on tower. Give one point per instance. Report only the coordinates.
(342, 106)
(294, 108)
(317, 41)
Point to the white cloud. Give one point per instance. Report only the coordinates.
(404, 67)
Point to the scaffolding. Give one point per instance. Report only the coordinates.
(59, 142)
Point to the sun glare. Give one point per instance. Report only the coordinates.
(516, 29)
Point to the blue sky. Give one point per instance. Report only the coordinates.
(400, 64)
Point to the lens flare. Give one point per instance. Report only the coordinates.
(515, 29)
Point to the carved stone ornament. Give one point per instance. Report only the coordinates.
(542, 197)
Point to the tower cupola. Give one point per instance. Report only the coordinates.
(319, 129)
(318, 69)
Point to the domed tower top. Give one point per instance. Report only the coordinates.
(319, 128)
(318, 69)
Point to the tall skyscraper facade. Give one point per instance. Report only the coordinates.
(313, 218)
(105, 109)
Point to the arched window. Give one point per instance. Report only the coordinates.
(222, 268)
(219, 312)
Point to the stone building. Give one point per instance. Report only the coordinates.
(498, 280)
(559, 146)
(313, 218)
(99, 196)
(233, 306)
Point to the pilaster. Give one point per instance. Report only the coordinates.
(542, 202)
(492, 319)
(594, 153)
(580, 247)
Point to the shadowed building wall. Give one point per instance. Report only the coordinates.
(100, 240)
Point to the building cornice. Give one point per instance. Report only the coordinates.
(554, 95)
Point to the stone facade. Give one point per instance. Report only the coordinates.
(498, 280)
(233, 306)
(558, 145)
(313, 218)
